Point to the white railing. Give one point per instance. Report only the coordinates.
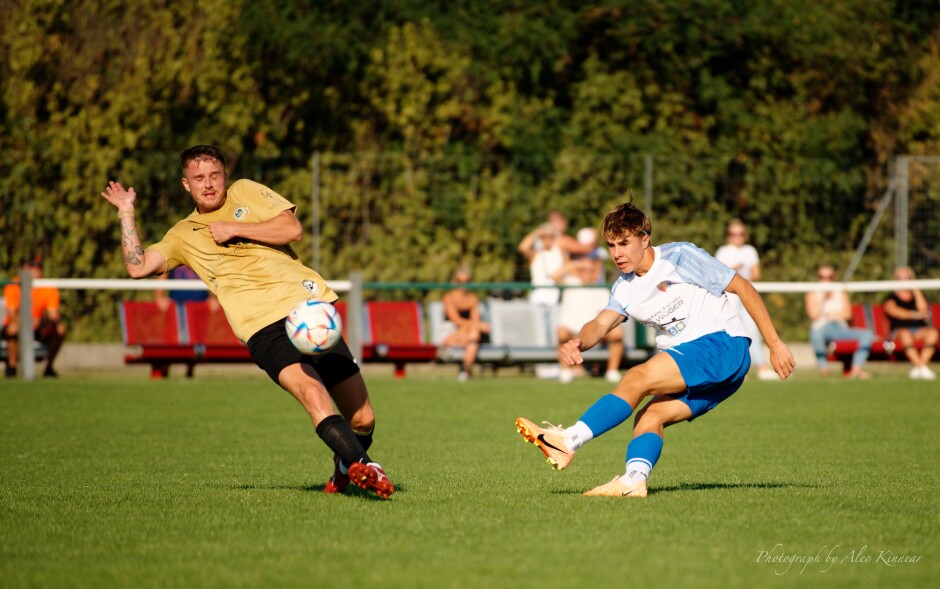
(27, 362)
(354, 289)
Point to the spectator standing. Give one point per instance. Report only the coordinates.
(546, 264)
(830, 312)
(578, 307)
(743, 258)
(48, 327)
(559, 223)
(908, 312)
(548, 248)
(595, 255)
(556, 222)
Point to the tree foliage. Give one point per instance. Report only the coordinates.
(447, 130)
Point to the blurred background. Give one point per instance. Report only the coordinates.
(415, 135)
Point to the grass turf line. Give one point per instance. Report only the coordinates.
(218, 482)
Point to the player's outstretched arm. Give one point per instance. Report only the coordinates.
(282, 229)
(593, 331)
(780, 356)
(139, 263)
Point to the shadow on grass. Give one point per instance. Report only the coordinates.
(704, 487)
(352, 491)
(713, 486)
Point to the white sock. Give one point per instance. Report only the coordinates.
(637, 470)
(577, 435)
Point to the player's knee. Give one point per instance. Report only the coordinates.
(362, 421)
(640, 376)
(649, 420)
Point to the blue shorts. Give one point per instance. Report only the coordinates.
(713, 367)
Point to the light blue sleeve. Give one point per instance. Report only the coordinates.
(612, 304)
(696, 266)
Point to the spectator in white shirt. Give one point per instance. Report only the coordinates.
(742, 257)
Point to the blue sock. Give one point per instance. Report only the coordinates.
(606, 413)
(642, 454)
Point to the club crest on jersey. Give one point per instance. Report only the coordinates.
(311, 287)
(676, 328)
(240, 213)
(664, 285)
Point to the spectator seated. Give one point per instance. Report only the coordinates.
(39, 348)
(872, 317)
(441, 327)
(525, 333)
(392, 332)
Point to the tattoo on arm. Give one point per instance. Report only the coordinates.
(130, 243)
(134, 258)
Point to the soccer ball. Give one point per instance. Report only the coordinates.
(314, 326)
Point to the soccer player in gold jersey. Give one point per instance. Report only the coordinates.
(238, 241)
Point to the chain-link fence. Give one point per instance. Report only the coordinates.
(917, 214)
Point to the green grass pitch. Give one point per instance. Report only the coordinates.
(217, 482)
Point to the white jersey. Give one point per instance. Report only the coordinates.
(682, 296)
(743, 258)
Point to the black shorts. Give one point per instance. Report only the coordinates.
(273, 351)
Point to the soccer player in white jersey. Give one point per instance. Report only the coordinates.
(680, 290)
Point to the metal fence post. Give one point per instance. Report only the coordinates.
(354, 311)
(870, 230)
(648, 186)
(901, 211)
(27, 345)
(315, 209)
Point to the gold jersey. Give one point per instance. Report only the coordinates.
(257, 283)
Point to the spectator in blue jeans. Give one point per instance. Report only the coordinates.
(830, 313)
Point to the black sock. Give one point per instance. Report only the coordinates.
(337, 434)
(365, 438)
